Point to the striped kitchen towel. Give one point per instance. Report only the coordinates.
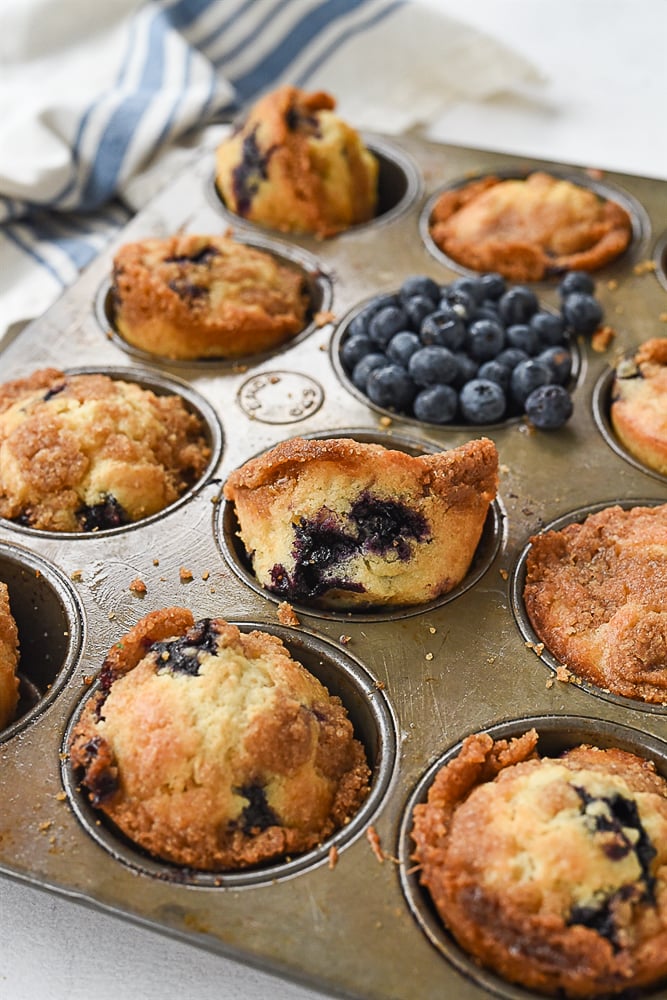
(101, 103)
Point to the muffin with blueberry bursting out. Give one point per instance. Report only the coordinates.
(338, 523)
(473, 351)
(85, 452)
(295, 166)
(638, 409)
(551, 871)
(213, 748)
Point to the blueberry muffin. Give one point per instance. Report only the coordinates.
(638, 410)
(551, 871)
(342, 524)
(214, 749)
(191, 296)
(596, 595)
(9, 659)
(88, 452)
(295, 166)
(529, 229)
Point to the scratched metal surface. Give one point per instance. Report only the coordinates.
(416, 683)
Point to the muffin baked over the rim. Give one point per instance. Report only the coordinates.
(9, 659)
(197, 296)
(294, 165)
(339, 523)
(85, 452)
(529, 229)
(214, 748)
(551, 871)
(638, 409)
(596, 595)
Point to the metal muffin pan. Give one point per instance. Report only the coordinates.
(420, 681)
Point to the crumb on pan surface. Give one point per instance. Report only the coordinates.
(199, 296)
(213, 748)
(551, 871)
(528, 229)
(295, 166)
(344, 523)
(596, 595)
(87, 452)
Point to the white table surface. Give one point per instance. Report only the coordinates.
(602, 105)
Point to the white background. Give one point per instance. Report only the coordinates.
(602, 105)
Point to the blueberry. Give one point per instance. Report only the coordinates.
(494, 285)
(549, 327)
(582, 312)
(576, 281)
(467, 368)
(512, 356)
(353, 349)
(391, 386)
(487, 310)
(482, 401)
(517, 305)
(420, 284)
(385, 323)
(417, 309)
(528, 375)
(363, 368)
(402, 346)
(523, 336)
(494, 371)
(359, 324)
(549, 407)
(485, 339)
(432, 365)
(436, 404)
(471, 286)
(559, 360)
(460, 301)
(443, 327)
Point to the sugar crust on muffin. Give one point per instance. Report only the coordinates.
(294, 165)
(341, 523)
(86, 452)
(9, 660)
(197, 296)
(215, 749)
(551, 871)
(529, 229)
(596, 595)
(638, 409)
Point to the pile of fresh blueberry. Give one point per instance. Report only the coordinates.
(474, 351)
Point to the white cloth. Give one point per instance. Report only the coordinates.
(100, 103)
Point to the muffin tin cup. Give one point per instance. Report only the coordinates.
(374, 725)
(338, 339)
(49, 619)
(556, 733)
(161, 386)
(660, 259)
(227, 527)
(641, 224)
(320, 292)
(399, 186)
(517, 584)
(601, 404)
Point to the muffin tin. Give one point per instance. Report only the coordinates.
(348, 918)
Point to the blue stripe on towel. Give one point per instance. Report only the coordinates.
(274, 63)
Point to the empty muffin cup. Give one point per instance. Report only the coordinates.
(597, 825)
(374, 727)
(49, 621)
